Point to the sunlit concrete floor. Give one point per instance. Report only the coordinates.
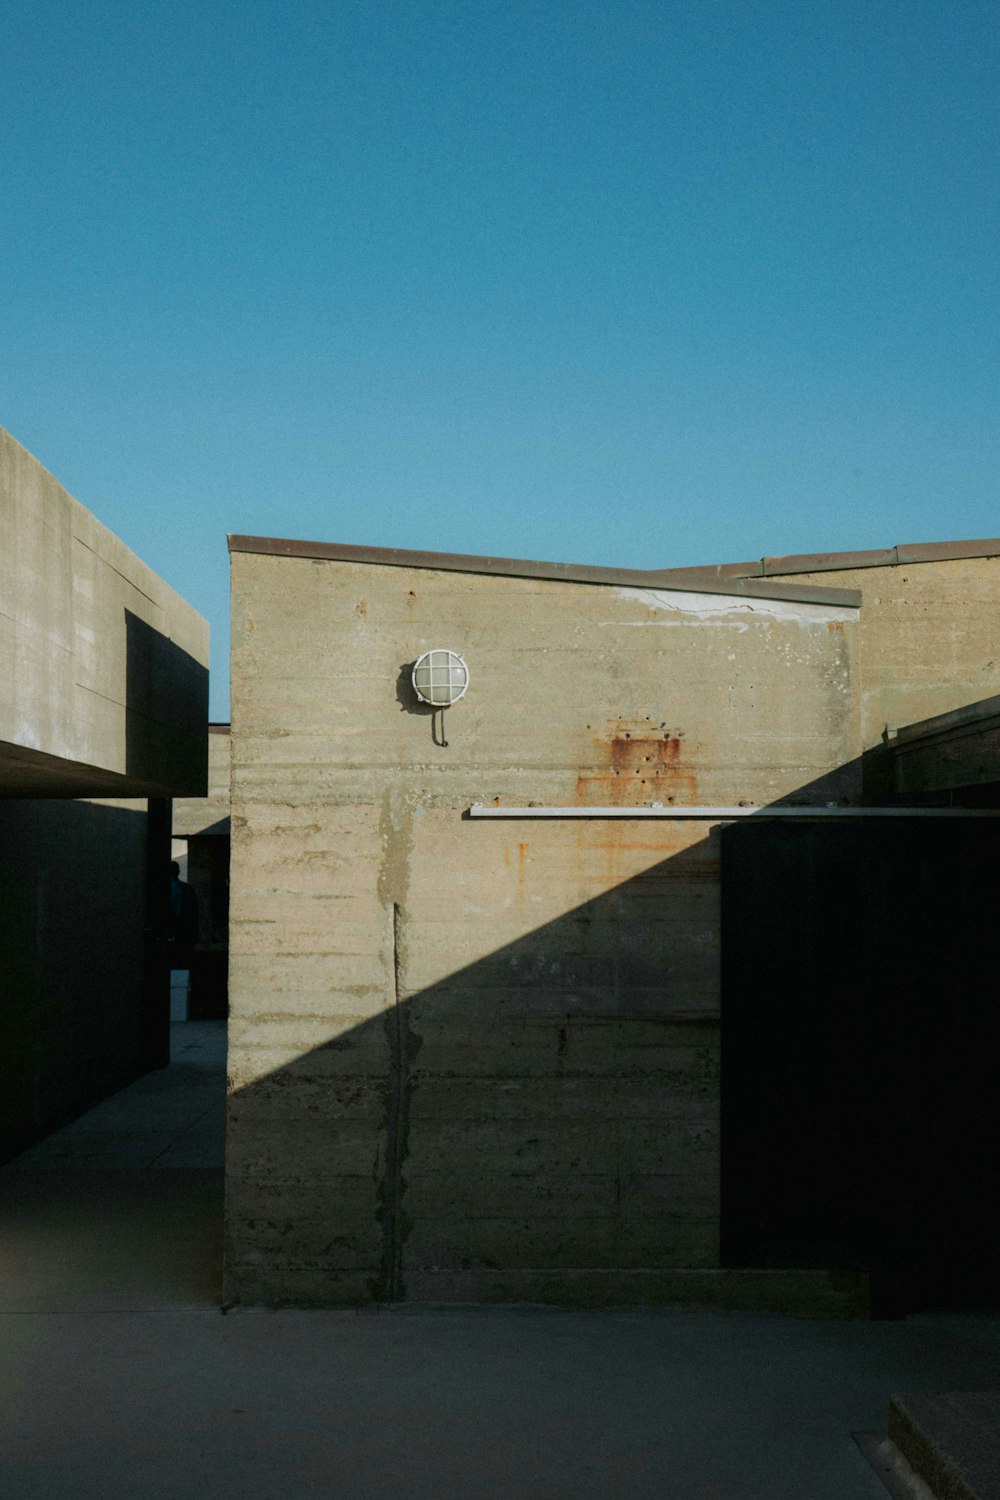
(120, 1374)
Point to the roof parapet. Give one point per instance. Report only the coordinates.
(687, 580)
(830, 562)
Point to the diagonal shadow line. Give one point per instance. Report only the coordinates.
(515, 1113)
(551, 1110)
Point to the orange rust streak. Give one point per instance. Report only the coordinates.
(643, 767)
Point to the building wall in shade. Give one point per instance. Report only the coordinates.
(72, 917)
(475, 1059)
(103, 695)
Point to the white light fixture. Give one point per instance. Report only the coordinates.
(440, 678)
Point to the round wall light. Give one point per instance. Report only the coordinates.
(440, 678)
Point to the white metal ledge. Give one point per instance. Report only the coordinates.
(718, 814)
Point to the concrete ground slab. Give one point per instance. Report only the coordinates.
(461, 1405)
(101, 1241)
(120, 1375)
(122, 1209)
(178, 1111)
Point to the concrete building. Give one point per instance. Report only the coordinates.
(103, 713)
(200, 831)
(531, 1000)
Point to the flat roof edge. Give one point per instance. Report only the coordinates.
(831, 562)
(691, 581)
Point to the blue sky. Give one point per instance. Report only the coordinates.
(637, 284)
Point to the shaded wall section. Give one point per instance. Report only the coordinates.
(201, 838)
(72, 995)
(929, 641)
(208, 815)
(861, 1118)
(473, 1059)
(952, 757)
(103, 667)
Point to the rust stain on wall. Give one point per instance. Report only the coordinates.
(636, 762)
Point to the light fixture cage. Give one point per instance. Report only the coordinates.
(440, 677)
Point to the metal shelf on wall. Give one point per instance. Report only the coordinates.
(721, 814)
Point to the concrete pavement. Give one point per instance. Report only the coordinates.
(121, 1376)
(461, 1404)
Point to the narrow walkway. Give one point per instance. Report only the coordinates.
(122, 1209)
(121, 1376)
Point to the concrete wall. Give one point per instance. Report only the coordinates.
(103, 668)
(951, 757)
(208, 814)
(72, 911)
(930, 643)
(201, 844)
(103, 694)
(475, 1059)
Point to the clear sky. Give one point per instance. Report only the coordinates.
(624, 283)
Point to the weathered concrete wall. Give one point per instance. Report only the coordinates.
(72, 911)
(930, 637)
(103, 668)
(473, 1059)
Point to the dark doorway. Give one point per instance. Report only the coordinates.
(208, 873)
(861, 1040)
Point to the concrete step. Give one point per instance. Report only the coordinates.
(941, 1447)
